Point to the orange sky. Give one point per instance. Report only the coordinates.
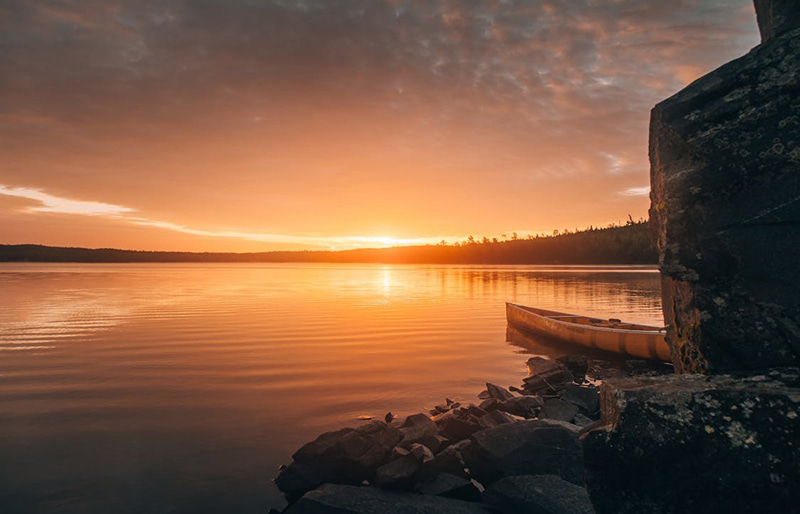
(288, 124)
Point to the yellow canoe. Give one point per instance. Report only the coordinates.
(612, 335)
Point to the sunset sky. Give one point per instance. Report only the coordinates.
(254, 125)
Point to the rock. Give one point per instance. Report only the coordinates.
(421, 452)
(451, 486)
(694, 444)
(724, 156)
(524, 448)
(582, 421)
(498, 392)
(489, 404)
(345, 456)
(436, 443)
(555, 408)
(344, 499)
(540, 494)
(456, 429)
(477, 411)
(416, 428)
(525, 406)
(495, 418)
(545, 376)
(587, 398)
(400, 473)
(776, 17)
(576, 364)
(450, 460)
(484, 395)
(389, 417)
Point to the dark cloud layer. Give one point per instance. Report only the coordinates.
(276, 111)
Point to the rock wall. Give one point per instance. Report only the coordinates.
(725, 206)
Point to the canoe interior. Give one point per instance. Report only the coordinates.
(589, 321)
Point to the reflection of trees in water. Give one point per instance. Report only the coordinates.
(603, 292)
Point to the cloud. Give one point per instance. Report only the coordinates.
(350, 116)
(57, 205)
(636, 191)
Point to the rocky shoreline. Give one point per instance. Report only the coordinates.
(515, 449)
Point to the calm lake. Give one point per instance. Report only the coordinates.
(181, 388)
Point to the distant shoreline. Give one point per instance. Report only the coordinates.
(628, 244)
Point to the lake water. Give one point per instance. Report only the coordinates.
(181, 388)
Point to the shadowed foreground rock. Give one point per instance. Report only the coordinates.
(725, 205)
(538, 494)
(345, 456)
(686, 444)
(344, 499)
(524, 448)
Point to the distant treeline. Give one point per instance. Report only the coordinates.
(626, 244)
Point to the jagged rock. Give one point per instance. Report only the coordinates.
(456, 429)
(587, 398)
(345, 456)
(451, 486)
(524, 448)
(475, 411)
(495, 418)
(693, 444)
(344, 499)
(498, 392)
(576, 364)
(416, 429)
(489, 404)
(724, 156)
(525, 406)
(450, 460)
(421, 452)
(400, 473)
(545, 376)
(484, 395)
(776, 17)
(539, 494)
(555, 408)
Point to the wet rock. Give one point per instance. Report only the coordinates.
(578, 365)
(525, 406)
(344, 499)
(484, 395)
(540, 494)
(587, 398)
(724, 156)
(524, 448)
(694, 444)
(451, 486)
(541, 366)
(558, 409)
(495, 418)
(476, 411)
(400, 473)
(498, 392)
(345, 456)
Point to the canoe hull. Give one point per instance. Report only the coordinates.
(640, 341)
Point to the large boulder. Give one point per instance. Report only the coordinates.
(345, 499)
(538, 494)
(347, 456)
(695, 444)
(524, 448)
(725, 206)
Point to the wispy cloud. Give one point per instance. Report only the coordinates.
(58, 205)
(636, 191)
